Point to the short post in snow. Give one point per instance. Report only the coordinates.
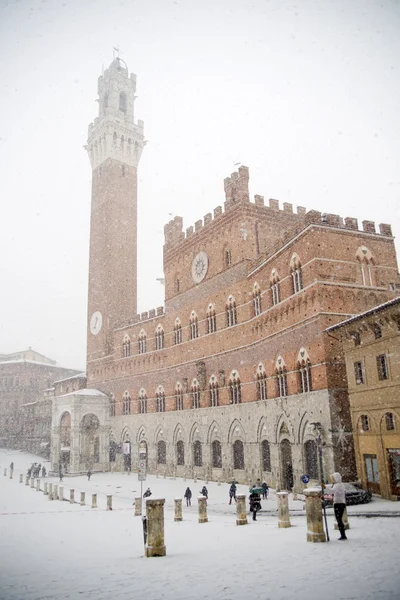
(138, 507)
(219, 481)
(51, 497)
(38, 484)
(345, 520)
(55, 491)
(154, 522)
(202, 502)
(194, 477)
(11, 473)
(5, 472)
(241, 516)
(315, 523)
(109, 502)
(178, 509)
(72, 496)
(26, 479)
(283, 510)
(82, 502)
(61, 493)
(94, 500)
(184, 477)
(32, 482)
(21, 478)
(45, 490)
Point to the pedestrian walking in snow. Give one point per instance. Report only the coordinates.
(255, 502)
(232, 492)
(265, 490)
(61, 474)
(339, 502)
(43, 471)
(89, 474)
(147, 493)
(204, 492)
(188, 496)
(11, 466)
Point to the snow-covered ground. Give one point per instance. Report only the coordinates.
(55, 550)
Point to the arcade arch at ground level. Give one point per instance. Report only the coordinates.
(274, 434)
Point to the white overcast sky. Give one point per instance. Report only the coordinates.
(306, 94)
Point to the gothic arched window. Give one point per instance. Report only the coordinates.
(197, 454)
(235, 390)
(211, 319)
(126, 406)
(180, 453)
(275, 287)
(126, 347)
(216, 454)
(238, 455)
(304, 371)
(231, 316)
(112, 405)
(367, 262)
(214, 391)
(142, 401)
(281, 378)
(193, 326)
(297, 277)
(195, 394)
(265, 456)
(177, 332)
(311, 460)
(160, 399)
(178, 397)
(142, 342)
(122, 102)
(161, 452)
(159, 336)
(256, 300)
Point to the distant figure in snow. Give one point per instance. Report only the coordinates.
(188, 496)
(147, 493)
(232, 492)
(61, 474)
(43, 471)
(266, 490)
(11, 466)
(89, 474)
(255, 502)
(204, 492)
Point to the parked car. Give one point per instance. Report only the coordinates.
(354, 495)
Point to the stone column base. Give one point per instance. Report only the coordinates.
(203, 519)
(155, 551)
(315, 537)
(241, 521)
(284, 524)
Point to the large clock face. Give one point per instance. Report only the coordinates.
(96, 322)
(199, 267)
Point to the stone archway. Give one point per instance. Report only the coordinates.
(286, 465)
(90, 440)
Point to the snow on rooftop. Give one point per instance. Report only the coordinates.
(84, 392)
(367, 313)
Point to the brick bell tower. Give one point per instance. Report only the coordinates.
(115, 144)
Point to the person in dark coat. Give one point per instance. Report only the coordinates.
(11, 466)
(61, 474)
(89, 474)
(147, 493)
(204, 492)
(266, 490)
(43, 471)
(232, 492)
(255, 502)
(188, 496)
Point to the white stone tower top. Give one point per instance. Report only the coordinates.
(114, 133)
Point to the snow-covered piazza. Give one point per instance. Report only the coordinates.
(57, 550)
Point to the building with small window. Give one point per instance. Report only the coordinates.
(371, 347)
(238, 372)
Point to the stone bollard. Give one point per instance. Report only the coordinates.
(45, 490)
(109, 502)
(241, 517)
(82, 502)
(315, 524)
(178, 509)
(94, 500)
(283, 509)
(26, 479)
(165, 475)
(38, 484)
(21, 478)
(219, 481)
(184, 477)
(51, 497)
(55, 491)
(61, 493)
(157, 474)
(138, 507)
(194, 477)
(155, 545)
(11, 473)
(345, 520)
(72, 496)
(5, 472)
(32, 482)
(202, 502)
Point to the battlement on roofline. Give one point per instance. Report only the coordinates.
(144, 316)
(237, 192)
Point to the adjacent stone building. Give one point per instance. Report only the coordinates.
(371, 346)
(25, 416)
(235, 375)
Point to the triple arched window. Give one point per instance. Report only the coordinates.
(142, 401)
(177, 332)
(281, 378)
(126, 347)
(159, 337)
(256, 300)
(178, 397)
(112, 405)
(214, 391)
(304, 371)
(126, 404)
(142, 342)
(193, 326)
(211, 319)
(297, 277)
(195, 394)
(275, 287)
(235, 390)
(160, 399)
(261, 382)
